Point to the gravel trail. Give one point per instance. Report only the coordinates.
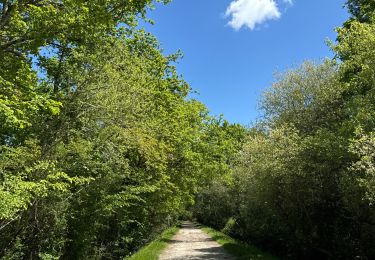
(191, 243)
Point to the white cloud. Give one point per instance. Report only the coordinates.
(250, 13)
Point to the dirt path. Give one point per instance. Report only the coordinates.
(191, 243)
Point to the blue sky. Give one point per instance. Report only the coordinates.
(233, 48)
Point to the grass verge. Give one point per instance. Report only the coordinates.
(237, 248)
(153, 250)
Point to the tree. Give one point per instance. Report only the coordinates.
(41, 36)
(361, 9)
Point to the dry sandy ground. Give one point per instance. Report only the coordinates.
(191, 243)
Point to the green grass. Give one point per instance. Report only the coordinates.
(153, 250)
(237, 248)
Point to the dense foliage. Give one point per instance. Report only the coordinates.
(100, 146)
(303, 183)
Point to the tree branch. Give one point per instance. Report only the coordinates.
(6, 13)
